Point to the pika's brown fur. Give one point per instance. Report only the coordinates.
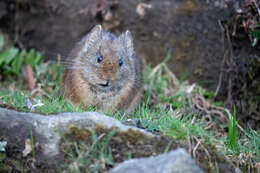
(104, 71)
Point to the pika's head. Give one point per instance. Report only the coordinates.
(107, 62)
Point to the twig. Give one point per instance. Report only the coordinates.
(174, 78)
(229, 99)
(206, 151)
(193, 120)
(224, 58)
(222, 116)
(216, 166)
(221, 74)
(257, 58)
(189, 142)
(222, 34)
(257, 7)
(195, 149)
(209, 126)
(154, 70)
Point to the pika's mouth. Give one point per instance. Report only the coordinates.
(106, 84)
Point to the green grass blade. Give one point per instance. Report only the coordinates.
(7, 56)
(232, 133)
(37, 58)
(168, 57)
(18, 61)
(2, 42)
(30, 57)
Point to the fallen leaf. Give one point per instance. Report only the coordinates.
(27, 74)
(257, 165)
(108, 16)
(3, 145)
(98, 7)
(141, 8)
(50, 90)
(28, 147)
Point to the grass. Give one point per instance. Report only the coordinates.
(172, 107)
(32, 143)
(249, 144)
(232, 133)
(95, 155)
(17, 100)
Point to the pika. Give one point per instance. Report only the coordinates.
(102, 70)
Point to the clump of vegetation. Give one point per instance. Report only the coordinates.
(94, 154)
(232, 133)
(12, 59)
(248, 17)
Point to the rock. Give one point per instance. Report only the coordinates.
(177, 161)
(16, 127)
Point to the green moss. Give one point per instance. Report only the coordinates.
(189, 6)
(80, 134)
(3, 166)
(254, 68)
(134, 137)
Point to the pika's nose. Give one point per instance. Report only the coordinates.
(109, 66)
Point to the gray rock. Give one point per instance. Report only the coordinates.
(177, 161)
(48, 130)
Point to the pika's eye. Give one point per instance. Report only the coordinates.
(120, 62)
(99, 58)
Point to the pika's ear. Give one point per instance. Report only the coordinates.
(128, 42)
(94, 36)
